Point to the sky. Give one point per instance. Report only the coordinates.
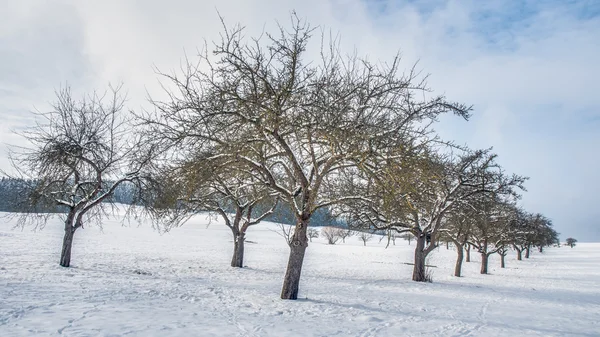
(530, 68)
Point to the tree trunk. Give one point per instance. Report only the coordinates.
(459, 260)
(541, 249)
(238, 251)
(447, 245)
(420, 255)
(519, 254)
(65, 255)
(484, 263)
(502, 265)
(468, 251)
(298, 245)
(527, 249)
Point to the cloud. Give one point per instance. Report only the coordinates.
(528, 67)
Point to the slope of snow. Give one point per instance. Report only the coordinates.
(132, 281)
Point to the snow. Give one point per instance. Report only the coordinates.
(132, 281)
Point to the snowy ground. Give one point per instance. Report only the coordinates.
(133, 281)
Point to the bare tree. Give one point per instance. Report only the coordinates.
(545, 235)
(523, 234)
(332, 234)
(80, 152)
(457, 231)
(296, 122)
(229, 190)
(285, 231)
(312, 233)
(345, 233)
(364, 237)
(492, 232)
(502, 251)
(571, 242)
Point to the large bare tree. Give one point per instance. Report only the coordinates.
(296, 121)
(78, 154)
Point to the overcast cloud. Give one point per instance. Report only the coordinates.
(529, 67)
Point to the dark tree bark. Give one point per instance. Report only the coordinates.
(484, 263)
(460, 248)
(298, 245)
(468, 251)
(519, 253)
(502, 265)
(238, 250)
(459, 260)
(447, 245)
(65, 256)
(527, 249)
(420, 255)
(541, 249)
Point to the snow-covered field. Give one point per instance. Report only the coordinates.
(132, 281)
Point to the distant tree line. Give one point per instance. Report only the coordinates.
(15, 197)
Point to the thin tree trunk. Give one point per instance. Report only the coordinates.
(527, 249)
(468, 251)
(459, 260)
(419, 267)
(65, 255)
(298, 245)
(447, 245)
(502, 265)
(541, 249)
(484, 263)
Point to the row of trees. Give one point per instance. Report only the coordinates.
(496, 228)
(260, 123)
